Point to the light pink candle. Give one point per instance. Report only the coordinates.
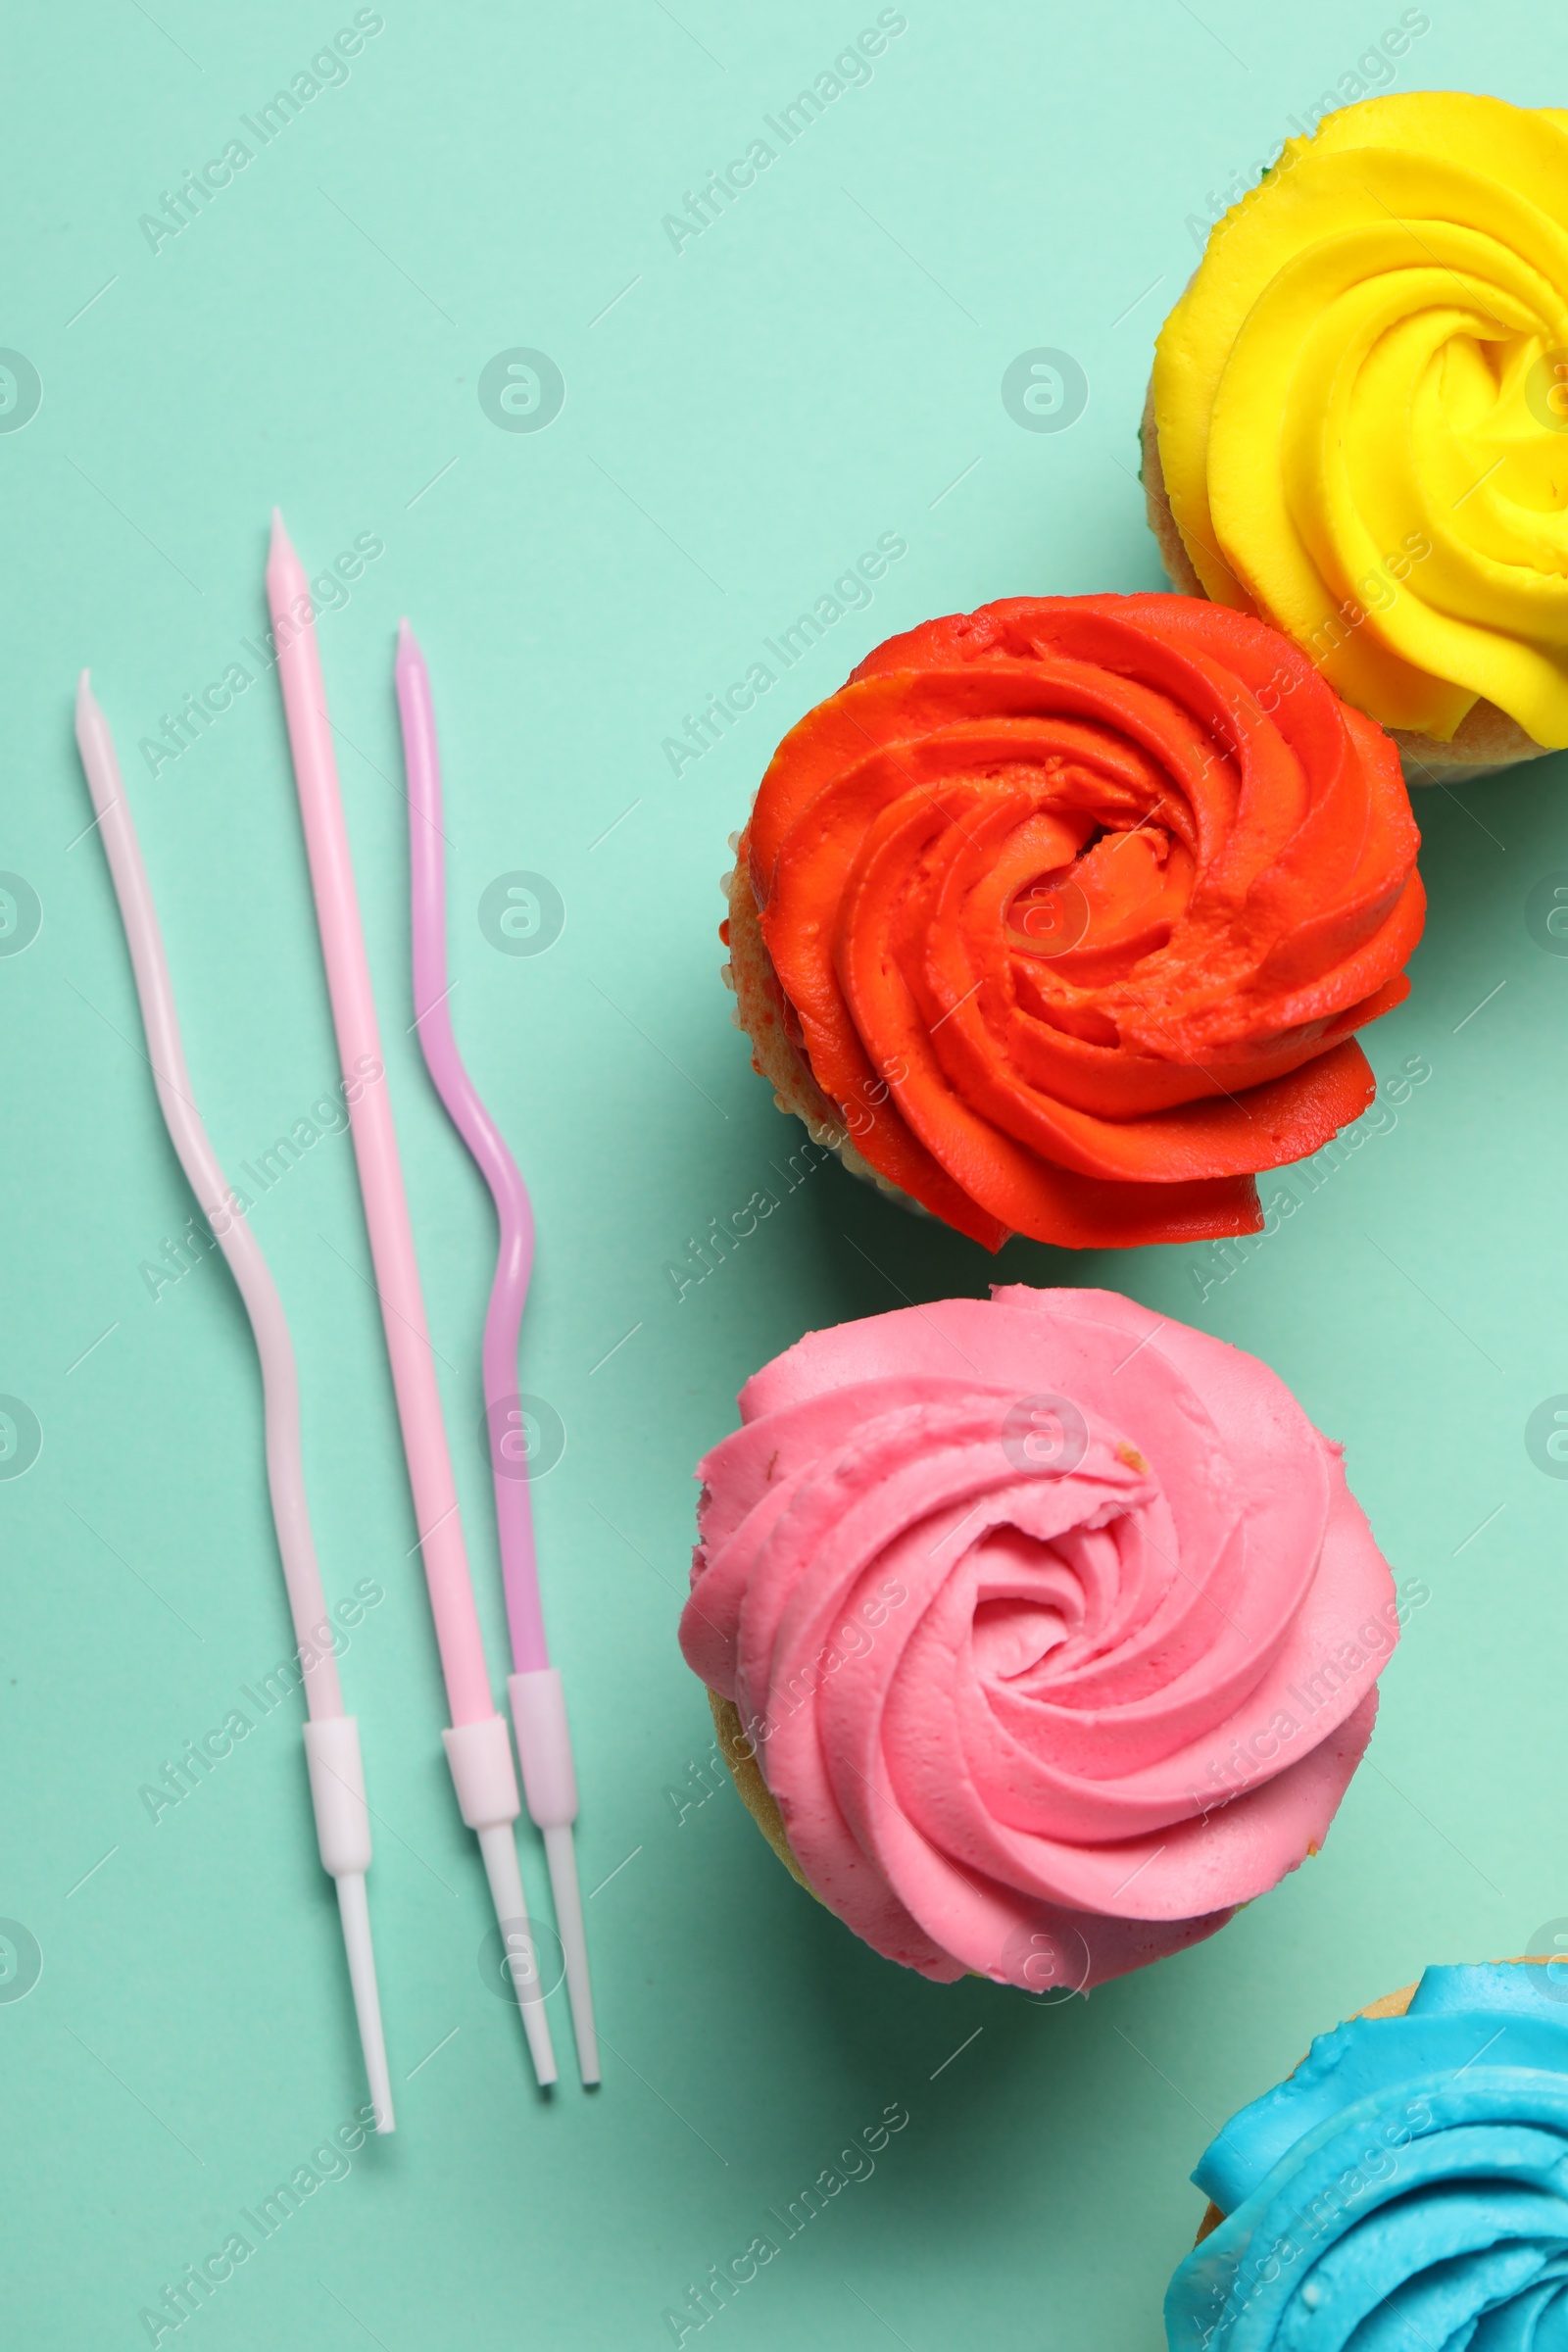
(375, 1143)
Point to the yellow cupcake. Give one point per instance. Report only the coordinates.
(1357, 425)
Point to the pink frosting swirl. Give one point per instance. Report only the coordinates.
(1054, 1626)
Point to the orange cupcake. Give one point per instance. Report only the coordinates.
(1060, 918)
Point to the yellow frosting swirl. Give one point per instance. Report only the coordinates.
(1361, 402)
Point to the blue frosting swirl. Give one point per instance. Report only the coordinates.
(1407, 2190)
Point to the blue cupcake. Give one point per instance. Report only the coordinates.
(1407, 2190)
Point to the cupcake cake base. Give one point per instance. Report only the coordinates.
(753, 1791)
(760, 1012)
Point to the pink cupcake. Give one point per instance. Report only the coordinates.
(1040, 1633)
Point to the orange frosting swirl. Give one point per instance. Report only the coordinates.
(1075, 904)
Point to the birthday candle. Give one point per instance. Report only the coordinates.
(332, 1738)
(538, 1706)
(477, 1747)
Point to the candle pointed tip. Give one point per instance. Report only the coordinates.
(410, 653)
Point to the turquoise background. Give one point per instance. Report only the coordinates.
(742, 419)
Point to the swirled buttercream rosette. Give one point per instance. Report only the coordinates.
(1059, 918)
(1407, 2186)
(1357, 423)
(1043, 1631)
